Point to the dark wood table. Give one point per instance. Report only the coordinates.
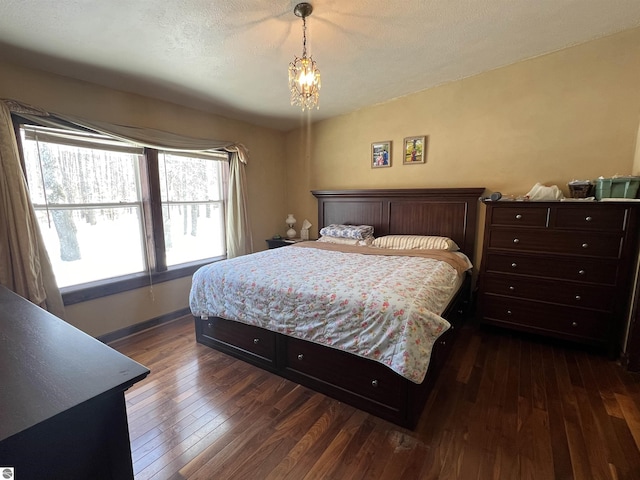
(62, 406)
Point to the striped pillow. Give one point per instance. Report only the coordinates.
(413, 242)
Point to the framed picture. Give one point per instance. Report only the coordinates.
(381, 154)
(415, 150)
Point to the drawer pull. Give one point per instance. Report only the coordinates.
(585, 245)
(588, 219)
(508, 312)
(514, 265)
(578, 297)
(581, 272)
(518, 217)
(256, 340)
(512, 288)
(210, 325)
(516, 240)
(374, 383)
(574, 324)
(300, 357)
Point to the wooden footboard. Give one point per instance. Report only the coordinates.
(360, 382)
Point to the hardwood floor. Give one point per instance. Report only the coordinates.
(505, 407)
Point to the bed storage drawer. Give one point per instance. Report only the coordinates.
(240, 339)
(361, 376)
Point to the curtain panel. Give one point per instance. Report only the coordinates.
(25, 267)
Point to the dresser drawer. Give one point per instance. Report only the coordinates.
(590, 270)
(522, 216)
(554, 241)
(554, 291)
(358, 375)
(246, 339)
(591, 218)
(567, 322)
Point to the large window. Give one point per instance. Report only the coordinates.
(95, 202)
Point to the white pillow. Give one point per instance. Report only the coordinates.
(346, 241)
(413, 242)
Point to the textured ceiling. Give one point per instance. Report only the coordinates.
(230, 56)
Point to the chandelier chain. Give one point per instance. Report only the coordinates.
(304, 37)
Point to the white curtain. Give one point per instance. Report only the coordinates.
(238, 231)
(238, 243)
(24, 264)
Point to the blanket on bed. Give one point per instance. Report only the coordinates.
(384, 306)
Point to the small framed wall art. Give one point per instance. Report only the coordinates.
(381, 154)
(415, 150)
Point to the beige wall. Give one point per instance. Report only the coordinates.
(265, 176)
(573, 114)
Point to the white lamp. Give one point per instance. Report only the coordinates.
(290, 221)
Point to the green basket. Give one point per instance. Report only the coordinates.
(617, 187)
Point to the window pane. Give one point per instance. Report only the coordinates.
(193, 232)
(76, 175)
(185, 179)
(192, 192)
(85, 245)
(87, 202)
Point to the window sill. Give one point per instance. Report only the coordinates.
(125, 283)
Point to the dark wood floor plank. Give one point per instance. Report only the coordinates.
(316, 440)
(601, 439)
(559, 444)
(230, 452)
(527, 394)
(286, 431)
(384, 440)
(220, 418)
(506, 461)
(479, 429)
(347, 467)
(331, 457)
(506, 406)
(570, 410)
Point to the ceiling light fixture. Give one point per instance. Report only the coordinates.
(304, 76)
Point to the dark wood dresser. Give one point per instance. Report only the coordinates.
(561, 269)
(62, 407)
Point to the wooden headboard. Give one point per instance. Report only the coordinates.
(448, 212)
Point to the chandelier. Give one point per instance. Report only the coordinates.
(304, 76)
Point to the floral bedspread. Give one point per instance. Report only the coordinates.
(382, 307)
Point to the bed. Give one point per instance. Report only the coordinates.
(357, 367)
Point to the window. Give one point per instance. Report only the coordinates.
(192, 191)
(94, 199)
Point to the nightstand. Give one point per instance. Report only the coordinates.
(282, 242)
(277, 243)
